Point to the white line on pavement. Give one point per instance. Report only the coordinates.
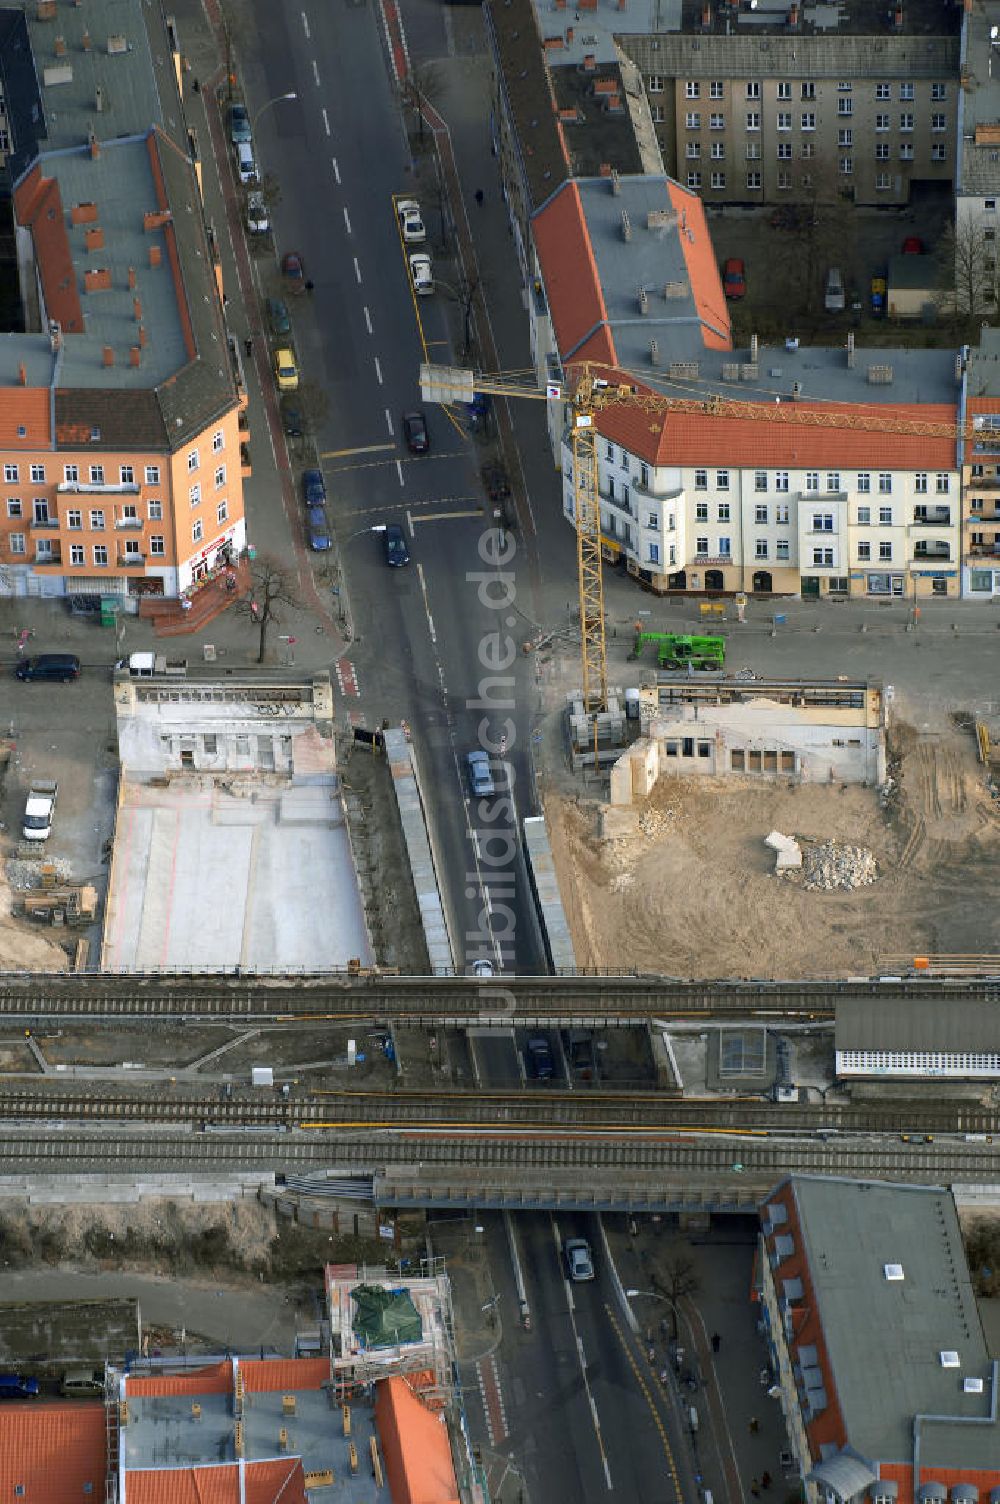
(409, 523)
(427, 607)
(305, 25)
(368, 319)
(347, 221)
(316, 72)
(388, 421)
(326, 121)
(336, 169)
(378, 370)
(357, 269)
(580, 1353)
(399, 471)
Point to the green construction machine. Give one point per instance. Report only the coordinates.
(675, 650)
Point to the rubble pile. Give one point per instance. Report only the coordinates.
(828, 865)
(23, 875)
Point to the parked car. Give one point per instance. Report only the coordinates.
(277, 317)
(14, 1386)
(878, 293)
(239, 124)
(317, 529)
(294, 271)
(81, 1381)
(420, 271)
(480, 775)
(538, 1056)
(579, 1259)
(39, 809)
(482, 968)
(410, 221)
(396, 552)
(415, 433)
(61, 666)
(834, 299)
(313, 488)
(734, 279)
(291, 418)
(245, 164)
(286, 372)
(913, 246)
(258, 219)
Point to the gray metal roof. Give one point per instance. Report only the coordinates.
(846, 1474)
(983, 371)
(978, 170)
(919, 1023)
(796, 56)
(884, 1338)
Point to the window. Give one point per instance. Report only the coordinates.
(808, 91)
(753, 120)
(715, 90)
(864, 551)
(753, 151)
(126, 475)
(725, 548)
(881, 122)
(864, 516)
(885, 516)
(906, 91)
(100, 555)
(781, 511)
(920, 482)
(939, 91)
(784, 179)
(939, 151)
(10, 472)
(784, 121)
(723, 511)
(194, 495)
(77, 554)
(845, 107)
(722, 480)
(38, 472)
(881, 151)
(701, 480)
(653, 520)
(812, 480)
(196, 530)
(692, 89)
(833, 480)
(694, 179)
(15, 542)
(71, 474)
(906, 121)
(717, 122)
(74, 519)
(846, 166)
(781, 549)
(760, 480)
(882, 91)
(822, 522)
(885, 550)
(784, 91)
(701, 511)
(222, 511)
(761, 548)
(784, 151)
(13, 506)
(906, 151)
(609, 452)
(653, 553)
(845, 138)
(655, 85)
(156, 544)
(97, 520)
(193, 461)
(152, 475)
(220, 476)
(701, 545)
(990, 205)
(807, 120)
(781, 480)
(718, 180)
(760, 515)
(883, 182)
(942, 484)
(939, 122)
(97, 475)
(718, 150)
(154, 509)
(864, 481)
(753, 89)
(692, 120)
(692, 150)
(754, 180)
(823, 556)
(885, 483)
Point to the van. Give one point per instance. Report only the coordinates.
(81, 1381)
(62, 666)
(834, 300)
(13, 1386)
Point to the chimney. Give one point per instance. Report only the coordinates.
(97, 279)
(134, 356)
(22, 373)
(93, 238)
(99, 100)
(143, 337)
(569, 36)
(616, 182)
(59, 46)
(85, 41)
(753, 347)
(94, 144)
(793, 18)
(706, 18)
(55, 335)
(643, 301)
(626, 226)
(589, 62)
(850, 351)
(654, 353)
(46, 10)
(155, 255)
(131, 278)
(137, 310)
(108, 356)
(897, 18)
(83, 214)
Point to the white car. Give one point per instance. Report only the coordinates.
(410, 221)
(245, 164)
(420, 271)
(258, 222)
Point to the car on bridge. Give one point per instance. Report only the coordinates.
(538, 1057)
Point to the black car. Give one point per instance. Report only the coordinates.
(538, 1055)
(60, 666)
(313, 488)
(277, 317)
(239, 125)
(291, 418)
(415, 433)
(396, 552)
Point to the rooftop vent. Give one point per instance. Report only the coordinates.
(684, 370)
(117, 43)
(972, 1386)
(880, 375)
(730, 370)
(626, 226)
(950, 1359)
(674, 290)
(660, 219)
(654, 353)
(850, 351)
(643, 301)
(797, 392)
(893, 1271)
(616, 184)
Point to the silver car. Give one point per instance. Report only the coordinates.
(480, 777)
(579, 1259)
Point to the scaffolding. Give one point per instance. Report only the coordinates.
(356, 1369)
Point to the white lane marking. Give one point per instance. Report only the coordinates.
(368, 319)
(427, 606)
(583, 1361)
(409, 523)
(336, 169)
(399, 471)
(475, 844)
(378, 370)
(357, 269)
(326, 121)
(388, 423)
(347, 221)
(316, 72)
(305, 25)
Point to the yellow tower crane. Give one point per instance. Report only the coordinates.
(589, 393)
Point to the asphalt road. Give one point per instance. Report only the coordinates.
(437, 642)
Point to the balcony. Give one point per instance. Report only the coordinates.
(932, 555)
(48, 558)
(44, 524)
(129, 524)
(984, 483)
(985, 550)
(131, 561)
(932, 517)
(98, 488)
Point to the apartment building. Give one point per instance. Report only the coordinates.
(120, 438)
(876, 1345)
(981, 471)
(977, 171)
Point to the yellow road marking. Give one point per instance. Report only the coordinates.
(332, 454)
(654, 1412)
(440, 516)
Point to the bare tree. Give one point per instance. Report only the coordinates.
(271, 587)
(313, 403)
(966, 272)
(678, 1278)
(817, 233)
(422, 86)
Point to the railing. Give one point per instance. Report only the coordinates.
(51, 523)
(984, 551)
(126, 561)
(41, 560)
(128, 522)
(920, 557)
(942, 520)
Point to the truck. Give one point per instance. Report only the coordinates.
(679, 650)
(152, 666)
(39, 810)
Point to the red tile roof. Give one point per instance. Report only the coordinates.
(283, 1375)
(51, 1451)
(219, 1484)
(28, 407)
(217, 1378)
(415, 1445)
(572, 284)
(702, 268)
(39, 207)
(282, 1478)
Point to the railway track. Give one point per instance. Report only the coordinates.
(579, 1111)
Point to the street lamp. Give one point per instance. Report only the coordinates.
(656, 1295)
(278, 99)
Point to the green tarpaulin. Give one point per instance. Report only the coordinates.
(385, 1318)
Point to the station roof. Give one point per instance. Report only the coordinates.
(922, 1023)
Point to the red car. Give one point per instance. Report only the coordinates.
(293, 271)
(913, 246)
(734, 279)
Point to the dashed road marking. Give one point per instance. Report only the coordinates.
(326, 121)
(493, 1405)
(347, 678)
